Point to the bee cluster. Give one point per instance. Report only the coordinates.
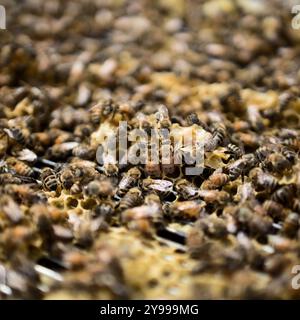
(71, 227)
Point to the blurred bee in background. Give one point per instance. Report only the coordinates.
(103, 110)
(20, 167)
(183, 210)
(102, 188)
(131, 199)
(145, 218)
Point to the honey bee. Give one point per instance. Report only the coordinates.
(105, 209)
(131, 199)
(61, 151)
(146, 126)
(83, 234)
(255, 118)
(231, 101)
(276, 162)
(285, 99)
(275, 264)
(241, 166)
(193, 118)
(11, 209)
(49, 179)
(185, 209)
(46, 231)
(111, 169)
(20, 167)
(287, 133)
(241, 126)
(261, 153)
(25, 193)
(84, 151)
(163, 117)
(83, 171)
(97, 188)
(56, 215)
(4, 143)
(290, 155)
(257, 224)
(57, 136)
(75, 188)
(284, 195)
(247, 139)
(234, 150)
(83, 131)
(18, 134)
(130, 179)
(151, 212)
(263, 180)
(127, 109)
(9, 178)
(214, 196)
(291, 225)
(96, 113)
(213, 226)
(102, 110)
(216, 180)
(161, 187)
(219, 135)
(67, 177)
(145, 217)
(144, 226)
(152, 199)
(274, 209)
(281, 244)
(186, 189)
(293, 143)
(39, 141)
(68, 117)
(110, 166)
(17, 238)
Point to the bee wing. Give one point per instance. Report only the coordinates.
(161, 185)
(9, 133)
(69, 145)
(27, 155)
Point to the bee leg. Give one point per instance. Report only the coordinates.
(48, 162)
(36, 170)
